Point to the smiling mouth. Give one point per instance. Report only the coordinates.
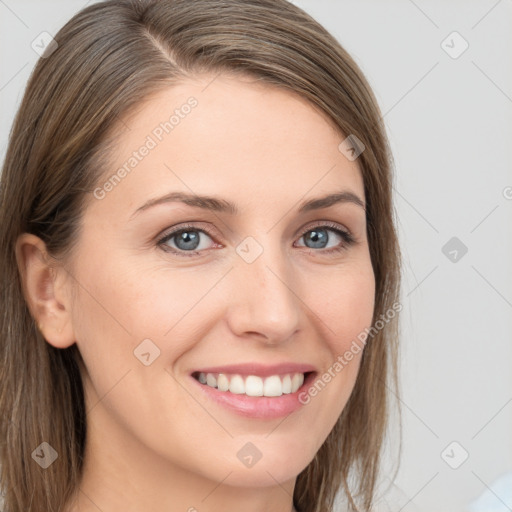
(253, 385)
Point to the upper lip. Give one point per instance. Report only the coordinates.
(258, 369)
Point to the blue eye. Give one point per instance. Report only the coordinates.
(187, 240)
(319, 237)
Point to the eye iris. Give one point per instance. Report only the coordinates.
(318, 237)
(190, 239)
(187, 240)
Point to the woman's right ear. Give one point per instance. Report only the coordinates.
(45, 286)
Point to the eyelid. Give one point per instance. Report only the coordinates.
(324, 223)
(344, 232)
(175, 230)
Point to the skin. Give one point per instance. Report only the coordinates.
(154, 442)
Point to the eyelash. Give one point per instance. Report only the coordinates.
(347, 237)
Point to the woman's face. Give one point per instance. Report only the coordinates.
(268, 290)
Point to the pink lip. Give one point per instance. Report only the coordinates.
(259, 369)
(260, 407)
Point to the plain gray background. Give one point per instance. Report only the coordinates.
(449, 120)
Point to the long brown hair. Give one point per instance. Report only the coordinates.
(111, 56)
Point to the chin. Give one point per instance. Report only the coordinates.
(265, 475)
(275, 465)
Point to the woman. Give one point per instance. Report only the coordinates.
(200, 266)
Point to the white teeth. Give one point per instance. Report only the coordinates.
(222, 382)
(254, 386)
(287, 384)
(211, 380)
(297, 381)
(274, 385)
(236, 385)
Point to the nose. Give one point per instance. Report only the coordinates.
(264, 304)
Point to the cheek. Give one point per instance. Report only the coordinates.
(345, 306)
(127, 300)
(345, 303)
(124, 312)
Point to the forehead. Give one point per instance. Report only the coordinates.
(235, 137)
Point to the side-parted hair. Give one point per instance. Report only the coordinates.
(112, 56)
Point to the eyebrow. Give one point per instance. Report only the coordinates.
(222, 205)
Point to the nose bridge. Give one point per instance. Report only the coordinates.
(266, 302)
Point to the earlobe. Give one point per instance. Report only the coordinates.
(45, 290)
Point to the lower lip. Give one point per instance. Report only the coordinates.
(262, 407)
